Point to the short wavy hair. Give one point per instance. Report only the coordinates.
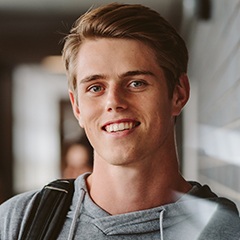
(128, 21)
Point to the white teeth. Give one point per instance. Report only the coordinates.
(119, 127)
(115, 127)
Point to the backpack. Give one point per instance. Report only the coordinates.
(49, 211)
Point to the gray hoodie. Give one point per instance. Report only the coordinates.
(200, 214)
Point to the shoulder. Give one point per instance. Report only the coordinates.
(20, 200)
(225, 222)
(205, 192)
(224, 225)
(13, 213)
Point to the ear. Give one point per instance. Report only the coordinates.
(180, 95)
(74, 103)
(75, 107)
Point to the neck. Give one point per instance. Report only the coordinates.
(122, 189)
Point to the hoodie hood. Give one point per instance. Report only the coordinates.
(190, 214)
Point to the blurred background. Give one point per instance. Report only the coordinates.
(36, 121)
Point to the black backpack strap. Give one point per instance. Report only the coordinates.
(49, 211)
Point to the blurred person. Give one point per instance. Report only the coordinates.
(128, 83)
(78, 159)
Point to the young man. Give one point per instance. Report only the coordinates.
(127, 84)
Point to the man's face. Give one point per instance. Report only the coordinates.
(122, 101)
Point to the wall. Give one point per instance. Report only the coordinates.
(6, 182)
(36, 139)
(214, 70)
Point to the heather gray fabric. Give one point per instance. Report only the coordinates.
(189, 218)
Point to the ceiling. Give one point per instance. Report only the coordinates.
(33, 29)
(73, 5)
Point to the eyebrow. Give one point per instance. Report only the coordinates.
(92, 78)
(124, 75)
(136, 73)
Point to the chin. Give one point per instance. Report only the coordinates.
(122, 160)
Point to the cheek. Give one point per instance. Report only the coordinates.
(162, 108)
(88, 115)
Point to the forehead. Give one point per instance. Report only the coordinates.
(114, 53)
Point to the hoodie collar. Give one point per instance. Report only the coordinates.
(186, 210)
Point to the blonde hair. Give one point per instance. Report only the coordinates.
(129, 21)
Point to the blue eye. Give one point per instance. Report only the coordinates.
(136, 84)
(95, 88)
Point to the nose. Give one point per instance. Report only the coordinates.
(116, 100)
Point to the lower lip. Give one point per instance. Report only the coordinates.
(121, 133)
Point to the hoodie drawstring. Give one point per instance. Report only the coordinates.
(161, 223)
(76, 214)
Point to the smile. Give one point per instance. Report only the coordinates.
(117, 127)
